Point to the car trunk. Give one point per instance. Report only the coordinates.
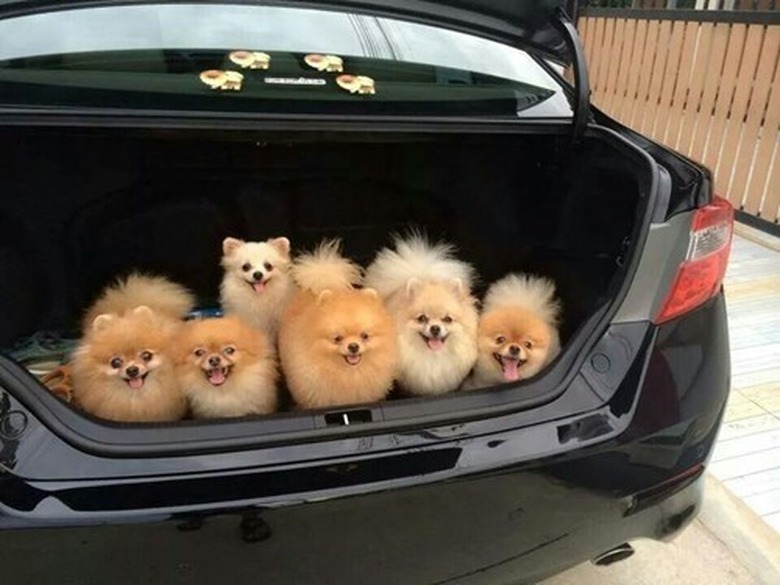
(83, 205)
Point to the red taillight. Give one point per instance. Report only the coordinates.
(700, 276)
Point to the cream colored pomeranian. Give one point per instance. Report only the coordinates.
(226, 368)
(428, 292)
(518, 330)
(123, 369)
(257, 284)
(337, 343)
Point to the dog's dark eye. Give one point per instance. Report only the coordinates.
(447, 319)
(116, 362)
(268, 267)
(364, 336)
(146, 356)
(338, 339)
(422, 319)
(528, 344)
(500, 339)
(200, 352)
(246, 267)
(229, 350)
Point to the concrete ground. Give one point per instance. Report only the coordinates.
(727, 544)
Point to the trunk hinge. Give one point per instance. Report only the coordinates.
(580, 100)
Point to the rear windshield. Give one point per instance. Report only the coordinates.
(245, 59)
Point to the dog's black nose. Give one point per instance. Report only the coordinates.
(514, 349)
(435, 330)
(353, 348)
(214, 361)
(132, 371)
(257, 275)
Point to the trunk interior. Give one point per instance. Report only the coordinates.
(82, 206)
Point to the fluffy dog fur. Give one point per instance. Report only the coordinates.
(428, 293)
(165, 297)
(257, 285)
(518, 330)
(123, 371)
(226, 368)
(337, 343)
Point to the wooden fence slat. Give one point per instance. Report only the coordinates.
(670, 78)
(728, 82)
(648, 57)
(599, 49)
(600, 82)
(747, 71)
(633, 80)
(717, 54)
(672, 132)
(767, 138)
(696, 87)
(758, 103)
(583, 27)
(625, 65)
(771, 205)
(615, 59)
(656, 78)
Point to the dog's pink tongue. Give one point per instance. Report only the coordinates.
(435, 343)
(135, 383)
(259, 287)
(510, 370)
(217, 377)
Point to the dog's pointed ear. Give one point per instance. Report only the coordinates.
(458, 287)
(143, 311)
(103, 321)
(282, 246)
(412, 286)
(230, 245)
(324, 296)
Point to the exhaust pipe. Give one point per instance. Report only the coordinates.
(619, 553)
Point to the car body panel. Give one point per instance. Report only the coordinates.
(452, 522)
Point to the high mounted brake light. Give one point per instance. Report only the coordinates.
(700, 276)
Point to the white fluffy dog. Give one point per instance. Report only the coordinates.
(428, 292)
(257, 285)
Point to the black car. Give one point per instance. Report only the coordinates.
(121, 152)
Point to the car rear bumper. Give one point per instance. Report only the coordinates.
(501, 523)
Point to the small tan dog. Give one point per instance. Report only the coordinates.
(122, 369)
(428, 292)
(518, 330)
(257, 285)
(226, 368)
(337, 343)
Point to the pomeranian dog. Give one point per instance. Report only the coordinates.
(428, 293)
(226, 368)
(122, 369)
(337, 343)
(518, 330)
(257, 285)
(163, 296)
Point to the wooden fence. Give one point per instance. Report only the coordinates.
(704, 83)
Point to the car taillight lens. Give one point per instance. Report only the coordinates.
(700, 276)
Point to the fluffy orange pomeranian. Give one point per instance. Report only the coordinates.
(518, 330)
(226, 368)
(123, 369)
(337, 343)
(257, 285)
(428, 293)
